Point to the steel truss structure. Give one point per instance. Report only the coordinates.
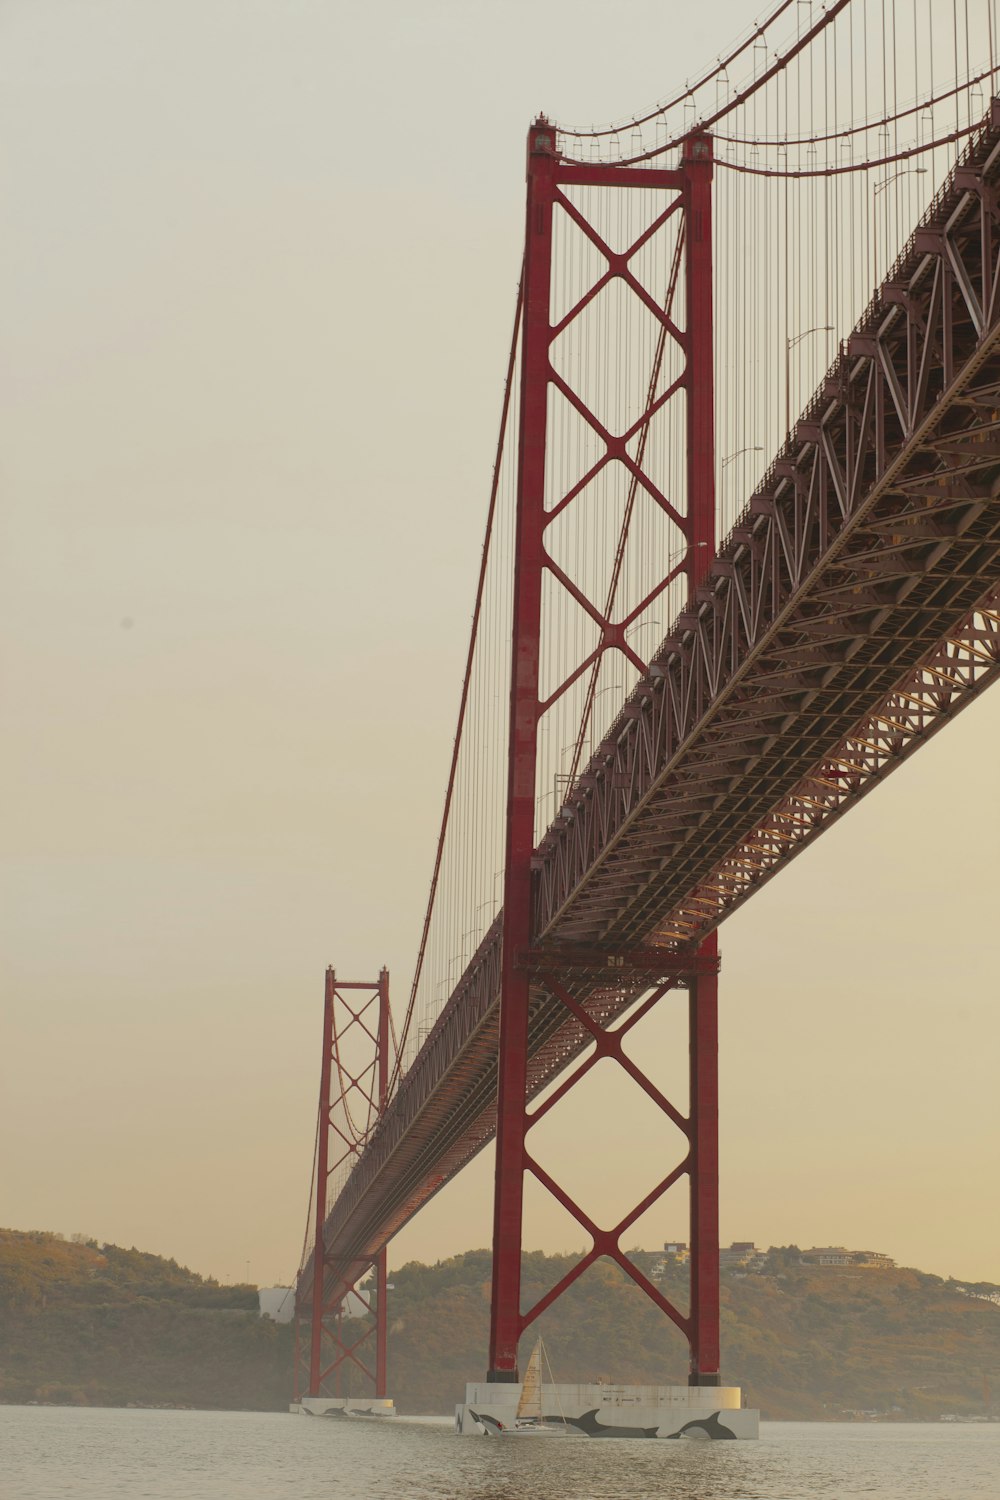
(352, 1098)
(523, 986)
(849, 608)
(550, 976)
(850, 614)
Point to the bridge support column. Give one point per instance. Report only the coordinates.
(505, 1311)
(703, 1012)
(703, 1020)
(552, 976)
(354, 1082)
(320, 1191)
(700, 382)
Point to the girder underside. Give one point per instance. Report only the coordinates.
(459, 1116)
(665, 854)
(889, 581)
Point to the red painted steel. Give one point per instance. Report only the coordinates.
(703, 1030)
(852, 612)
(703, 1034)
(608, 1043)
(381, 1311)
(522, 757)
(700, 373)
(322, 1183)
(297, 1358)
(332, 1280)
(692, 186)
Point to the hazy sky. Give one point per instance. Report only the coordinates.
(257, 265)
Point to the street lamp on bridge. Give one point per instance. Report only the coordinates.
(880, 187)
(732, 457)
(790, 344)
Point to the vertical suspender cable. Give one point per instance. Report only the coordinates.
(452, 772)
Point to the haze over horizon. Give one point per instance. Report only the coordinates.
(258, 269)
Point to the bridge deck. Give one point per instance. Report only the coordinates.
(841, 623)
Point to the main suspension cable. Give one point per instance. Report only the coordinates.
(690, 89)
(778, 66)
(466, 683)
(863, 129)
(857, 166)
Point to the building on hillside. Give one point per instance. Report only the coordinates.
(741, 1253)
(837, 1255)
(675, 1253)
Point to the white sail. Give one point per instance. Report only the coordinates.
(530, 1404)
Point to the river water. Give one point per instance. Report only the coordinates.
(47, 1453)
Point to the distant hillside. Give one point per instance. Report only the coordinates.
(804, 1343)
(99, 1324)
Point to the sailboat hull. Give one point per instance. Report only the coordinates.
(489, 1426)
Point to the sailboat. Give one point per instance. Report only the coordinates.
(528, 1420)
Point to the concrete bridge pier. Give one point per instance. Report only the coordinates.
(359, 1408)
(692, 1412)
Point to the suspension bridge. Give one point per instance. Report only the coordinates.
(741, 560)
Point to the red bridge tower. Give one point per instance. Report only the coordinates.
(353, 1087)
(527, 966)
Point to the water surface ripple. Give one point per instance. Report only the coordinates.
(47, 1453)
